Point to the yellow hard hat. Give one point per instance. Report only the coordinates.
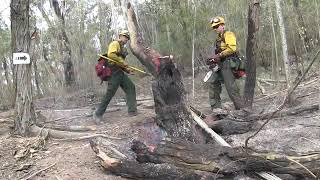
(216, 21)
(125, 33)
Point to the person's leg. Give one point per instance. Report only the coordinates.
(230, 84)
(129, 88)
(113, 85)
(215, 91)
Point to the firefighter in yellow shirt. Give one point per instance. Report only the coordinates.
(116, 51)
(225, 56)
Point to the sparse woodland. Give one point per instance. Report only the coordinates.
(270, 132)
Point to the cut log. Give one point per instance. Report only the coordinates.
(136, 170)
(167, 87)
(181, 159)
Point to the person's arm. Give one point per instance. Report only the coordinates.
(231, 44)
(113, 50)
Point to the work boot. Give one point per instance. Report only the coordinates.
(133, 113)
(97, 119)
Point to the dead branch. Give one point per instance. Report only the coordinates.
(289, 112)
(71, 128)
(6, 121)
(34, 174)
(65, 135)
(271, 80)
(89, 137)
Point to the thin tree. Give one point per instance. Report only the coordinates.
(251, 51)
(301, 26)
(20, 39)
(275, 61)
(283, 41)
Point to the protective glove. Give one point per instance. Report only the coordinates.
(216, 58)
(209, 61)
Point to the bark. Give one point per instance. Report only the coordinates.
(64, 46)
(167, 87)
(252, 54)
(25, 115)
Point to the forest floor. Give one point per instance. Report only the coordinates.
(21, 157)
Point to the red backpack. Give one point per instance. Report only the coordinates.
(103, 71)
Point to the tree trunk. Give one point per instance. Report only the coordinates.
(302, 27)
(167, 87)
(275, 59)
(284, 42)
(252, 54)
(25, 115)
(64, 46)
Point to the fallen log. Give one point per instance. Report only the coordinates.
(181, 159)
(135, 170)
(239, 122)
(66, 135)
(226, 160)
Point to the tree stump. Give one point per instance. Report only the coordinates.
(167, 87)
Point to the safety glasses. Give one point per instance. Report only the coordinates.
(214, 20)
(216, 27)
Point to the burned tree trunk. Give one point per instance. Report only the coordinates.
(168, 89)
(25, 115)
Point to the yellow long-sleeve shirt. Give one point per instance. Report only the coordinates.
(114, 50)
(227, 45)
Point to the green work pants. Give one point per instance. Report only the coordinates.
(224, 75)
(119, 79)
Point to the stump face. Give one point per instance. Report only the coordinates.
(169, 97)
